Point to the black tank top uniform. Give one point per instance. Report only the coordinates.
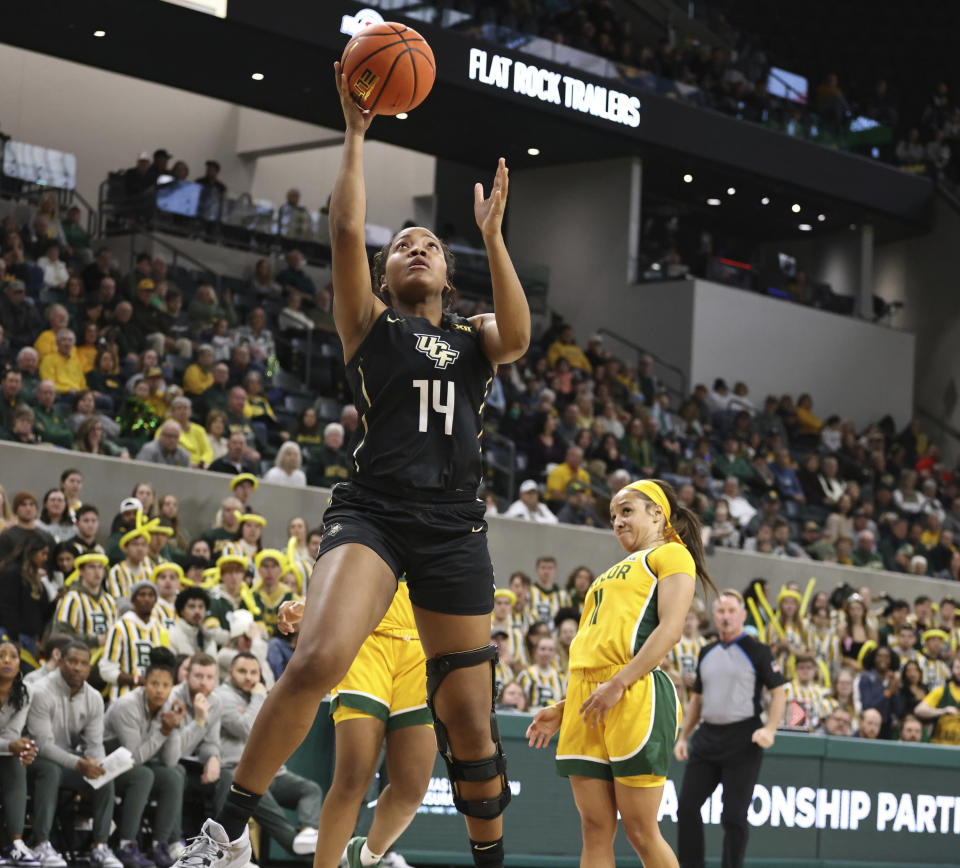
(420, 391)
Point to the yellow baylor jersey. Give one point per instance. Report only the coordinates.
(399, 617)
(620, 611)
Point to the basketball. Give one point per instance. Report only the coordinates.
(389, 68)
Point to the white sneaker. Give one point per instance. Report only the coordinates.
(49, 858)
(306, 842)
(19, 854)
(212, 849)
(101, 856)
(394, 860)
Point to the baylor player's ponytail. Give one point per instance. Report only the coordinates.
(687, 525)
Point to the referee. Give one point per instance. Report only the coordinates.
(728, 747)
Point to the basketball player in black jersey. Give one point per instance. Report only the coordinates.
(420, 378)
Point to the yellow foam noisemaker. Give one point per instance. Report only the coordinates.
(755, 613)
(244, 477)
(808, 592)
(868, 646)
(293, 564)
(248, 599)
(762, 597)
(656, 494)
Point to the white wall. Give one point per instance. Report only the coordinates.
(514, 544)
(106, 119)
(855, 369)
(394, 176)
(922, 273)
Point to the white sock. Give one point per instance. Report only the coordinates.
(368, 857)
(123, 843)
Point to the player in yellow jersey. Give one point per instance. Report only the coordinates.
(383, 695)
(616, 742)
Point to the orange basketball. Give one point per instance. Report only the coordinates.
(389, 68)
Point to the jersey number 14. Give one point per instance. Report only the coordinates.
(431, 389)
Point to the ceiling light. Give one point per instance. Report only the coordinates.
(765, 200)
(821, 217)
(853, 225)
(99, 33)
(731, 191)
(688, 178)
(655, 266)
(533, 152)
(402, 116)
(713, 201)
(795, 208)
(804, 227)
(257, 76)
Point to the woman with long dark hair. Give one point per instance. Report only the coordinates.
(25, 607)
(16, 753)
(617, 737)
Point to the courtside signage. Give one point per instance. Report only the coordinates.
(505, 73)
(847, 810)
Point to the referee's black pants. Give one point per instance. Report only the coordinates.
(718, 755)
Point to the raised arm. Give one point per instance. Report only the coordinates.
(505, 333)
(355, 307)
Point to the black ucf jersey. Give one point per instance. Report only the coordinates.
(420, 391)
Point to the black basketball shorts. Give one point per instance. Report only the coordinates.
(442, 547)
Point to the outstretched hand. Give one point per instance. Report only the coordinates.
(489, 212)
(357, 120)
(289, 615)
(545, 723)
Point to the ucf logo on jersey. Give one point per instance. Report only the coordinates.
(437, 349)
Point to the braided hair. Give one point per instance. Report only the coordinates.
(379, 269)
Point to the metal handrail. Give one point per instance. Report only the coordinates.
(682, 391)
(511, 447)
(946, 427)
(177, 253)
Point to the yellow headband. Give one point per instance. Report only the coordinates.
(252, 516)
(505, 592)
(935, 634)
(133, 534)
(789, 592)
(656, 494)
(239, 560)
(276, 554)
(211, 575)
(168, 565)
(82, 561)
(244, 477)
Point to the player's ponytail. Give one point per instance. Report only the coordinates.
(687, 525)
